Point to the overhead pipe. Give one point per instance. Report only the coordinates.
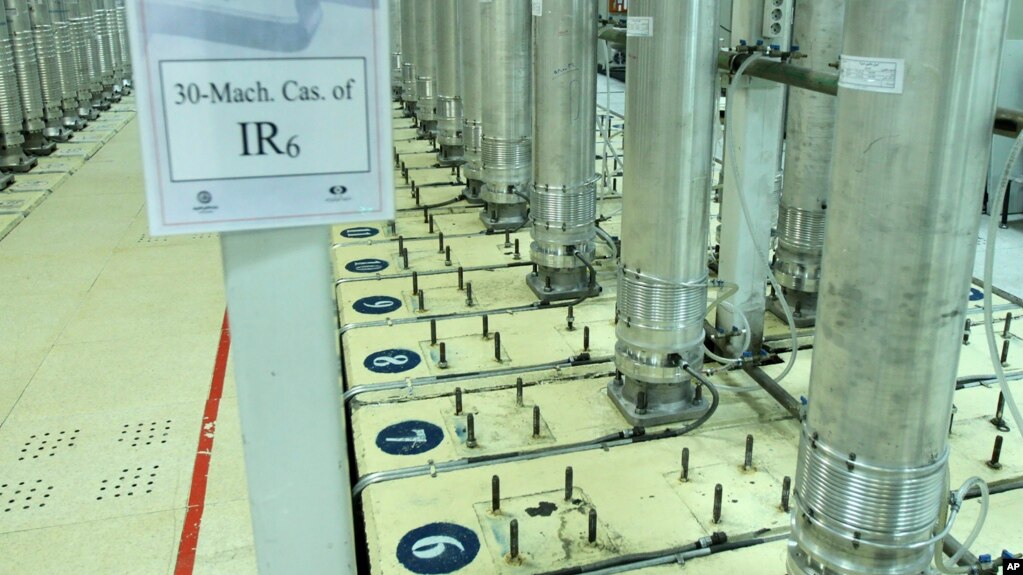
(564, 195)
(810, 125)
(871, 478)
(471, 62)
(449, 88)
(507, 148)
(426, 68)
(662, 276)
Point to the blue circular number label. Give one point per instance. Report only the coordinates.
(366, 266)
(392, 361)
(360, 232)
(438, 548)
(976, 294)
(376, 304)
(409, 438)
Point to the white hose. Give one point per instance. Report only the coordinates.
(949, 565)
(734, 163)
(989, 264)
(746, 337)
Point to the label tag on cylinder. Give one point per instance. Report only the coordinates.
(640, 26)
(537, 7)
(883, 75)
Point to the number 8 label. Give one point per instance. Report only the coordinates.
(392, 361)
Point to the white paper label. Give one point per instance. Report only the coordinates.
(537, 7)
(884, 75)
(263, 115)
(640, 26)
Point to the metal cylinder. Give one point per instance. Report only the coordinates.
(662, 279)
(817, 30)
(83, 24)
(449, 83)
(507, 145)
(910, 159)
(122, 33)
(395, 31)
(426, 66)
(409, 47)
(11, 137)
(67, 64)
(104, 54)
(26, 65)
(113, 42)
(48, 61)
(472, 94)
(564, 195)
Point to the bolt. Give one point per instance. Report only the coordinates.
(404, 258)
(698, 394)
(415, 282)
(748, 462)
(461, 278)
(641, 402)
(966, 331)
(513, 539)
(536, 270)
(586, 338)
(432, 223)
(516, 255)
(592, 534)
(998, 421)
(547, 284)
(470, 431)
(518, 391)
(1008, 323)
(786, 489)
(996, 454)
(497, 346)
(1005, 352)
(718, 494)
(401, 244)
(433, 332)
(536, 422)
(442, 359)
(447, 256)
(570, 318)
(568, 483)
(468, 294)
(422, 303)
(415, 193)
(458, 401)
(507, 238)
(440, 242)
(427, 218)
(495, 494)
(685, 465)
(486, 326)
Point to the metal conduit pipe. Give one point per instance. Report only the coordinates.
(817, 29)
(662, 277)
(48, 62)
(26, 67)
(471, 61)
(871, 472)
(122, 33)
(507, 148)
(564, 197)
(395, 29)
(426, 67)
(67, 64)
(449, 99)
(12, 156)
(409, 46)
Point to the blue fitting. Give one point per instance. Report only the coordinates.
(742, 42)
(985, 558)
(795, 48)
(804, 400)
(1007, 555)
(747, 354)
(775, 47)
(760, 42)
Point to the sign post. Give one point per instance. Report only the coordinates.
(269, 120)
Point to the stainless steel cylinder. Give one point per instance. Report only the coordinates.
(26, 65)
(11, 137)
(449, 83)
(662, 280)
(101, 30)
(564, 195)
(426, 67)
(67, 65)
(52, 91)
(817, 30)
(84, 26)
(112, 40)
(409, 46)
(395, 30)
(912, 143)
(122, 33)
(507, 145)
(472, 95)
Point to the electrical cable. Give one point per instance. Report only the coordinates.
(730, 143)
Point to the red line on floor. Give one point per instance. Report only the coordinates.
(200, 471)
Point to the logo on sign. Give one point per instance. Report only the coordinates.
(366, 266)
(360, 232)
(409, 438)
(392, 361)
(376, 304)
(204, 197)
(438, 548)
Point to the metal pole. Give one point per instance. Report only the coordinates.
(507, 150)
(756, 112)
(471, 61)
(564, 198)
(871, 475)
(449, 84)
(284, 338)
(662, 278)
(426, 67)
(810, 127)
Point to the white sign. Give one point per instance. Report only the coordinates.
(884, 75)
(263, 113)
(639, 27)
